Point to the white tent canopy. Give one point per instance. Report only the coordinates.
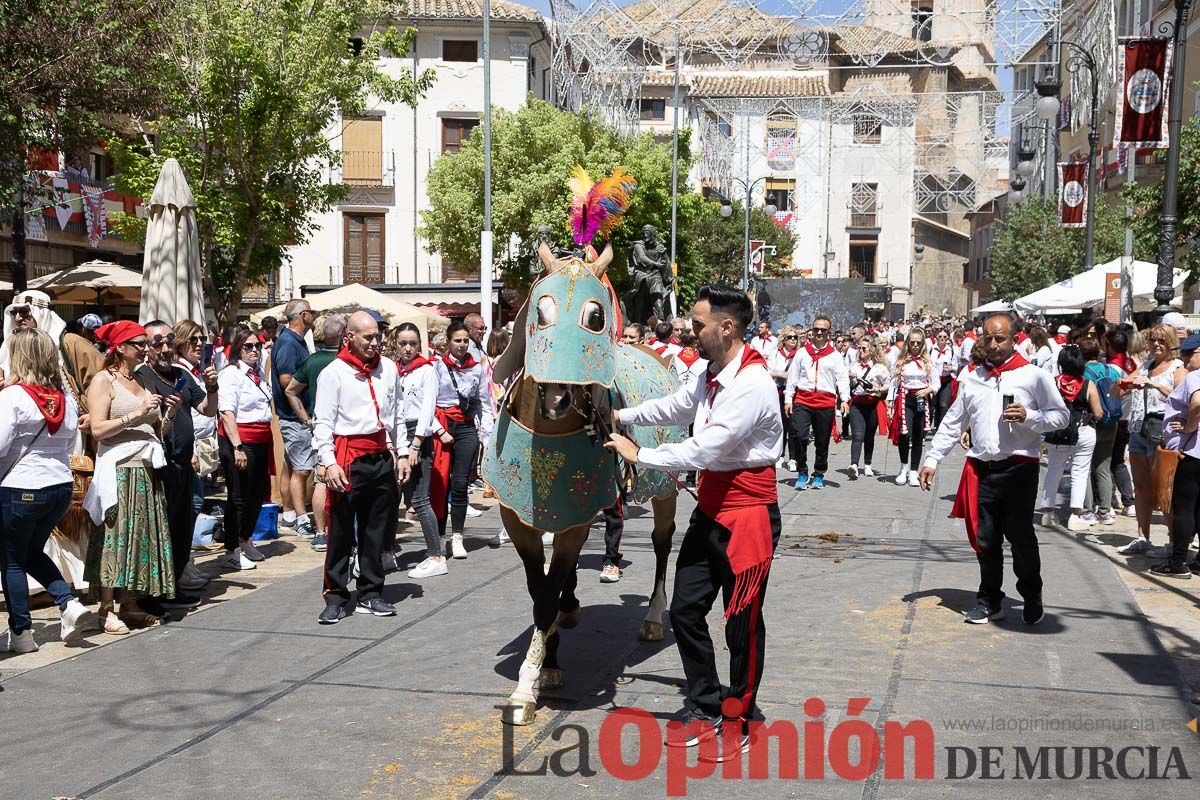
(354, 297)
(1086, 290)
(992, 307)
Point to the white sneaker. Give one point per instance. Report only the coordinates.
(1089, 517)
(76, 618)
(1138, 545)
(853, 472)
(21, 642)
(868, 472)
(251, 552)
(472, 511)
(780, 463)
(902, 478)
(913, 479)
(428, 568)
(1048, 519)
(456, 546)
(237, 560)
(791, 465)
(502, 537)
(1130, 511)
(1107, 517)
(1077, 523)
(547, 538)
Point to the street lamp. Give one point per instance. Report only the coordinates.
(1026, 152)
(1164, 289)
(727, 211)
(1017, 189)
(1081, 58)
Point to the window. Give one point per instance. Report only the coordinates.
(653, 109)
(779, 193)
(466, 50)
(868, 129)
(364, 248)
(862, 259)
(453, 273)
(781, 143)
(455, 132)
(922, 21)
(864, 198)
(362, 151)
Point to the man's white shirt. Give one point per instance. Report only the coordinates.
(831, 375)
(344, 407)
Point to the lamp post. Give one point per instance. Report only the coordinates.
(1047, 110)
(727, 211)
(1081, 58)
(1169, 222)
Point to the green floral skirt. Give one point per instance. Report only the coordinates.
(133, 549)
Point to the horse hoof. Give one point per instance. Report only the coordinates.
(550, 679)
(651, 631)
(518, 713)
(569, 619)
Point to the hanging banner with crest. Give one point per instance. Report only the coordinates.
(1144, 73)
(1072, 193)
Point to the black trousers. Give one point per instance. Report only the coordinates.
(864, 422)
(1007, 496)
(1185, 507)
(701, 570)
(614, 529)
(371, 506)
(815, 424)
(462, 465)
(791, 439)
(912, 444)
(941, 402)
(247, 489)
(177, 482)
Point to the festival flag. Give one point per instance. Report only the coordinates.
(1144, 69)
(1072, 193)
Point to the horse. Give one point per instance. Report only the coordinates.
(546, 461)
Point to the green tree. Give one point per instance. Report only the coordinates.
(533, 150)
(1147, 200)
(254, 90)
(1032, 251)
(65, 64)
(717, 246)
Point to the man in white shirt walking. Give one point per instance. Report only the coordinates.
(764, 342)
(1006, 405)
(733, 532)
(362, 441)
(818, 385)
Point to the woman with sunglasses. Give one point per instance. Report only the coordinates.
(1148, 388)
(244, 443)
(132, 552)
(869, 385)
(914, 390)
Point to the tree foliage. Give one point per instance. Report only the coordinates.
(1032, 251)
(717, 245)
(65, 66)
(1147, 200)
(254, 90)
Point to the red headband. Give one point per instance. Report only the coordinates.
(115, 334)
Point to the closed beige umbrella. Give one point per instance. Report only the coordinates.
(171, 269)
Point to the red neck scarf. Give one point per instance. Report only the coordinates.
(1069, 386)
(1123, 361)
(51, 402)
(766, 337)
(788, 354)
(1022, 337)
(749, 356)
(1015, 361)
(412, 366)
(363, 369)
(192, 368)
(817, 355)
(688, 355)
(467, 362)
(253, 374)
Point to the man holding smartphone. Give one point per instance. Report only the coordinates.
(162, 376)
(1006, 404)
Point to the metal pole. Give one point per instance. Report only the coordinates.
(1169, 222)
(746, 239)
(485, 239)
(1127, 259)
(671, 297)
(18, 240)
(1093, 143)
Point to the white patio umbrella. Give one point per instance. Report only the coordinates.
(91, 282)
(171, 269)
(992, 307)
(1086, 290)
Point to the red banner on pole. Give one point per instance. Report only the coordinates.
(1144, 67)
(1072, 194)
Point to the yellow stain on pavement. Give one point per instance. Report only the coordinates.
(1193, 726)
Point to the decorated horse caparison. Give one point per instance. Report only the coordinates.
(546, 460)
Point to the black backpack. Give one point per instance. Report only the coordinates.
(1070, 435)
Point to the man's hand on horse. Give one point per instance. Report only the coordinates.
(625, 447)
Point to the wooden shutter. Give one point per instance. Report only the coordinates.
(362, 151)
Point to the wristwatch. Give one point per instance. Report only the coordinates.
(241, 448)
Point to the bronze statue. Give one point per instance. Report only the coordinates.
(650, 271)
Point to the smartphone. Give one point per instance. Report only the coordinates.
(1008, 400)
(206, 356)
(181, 385)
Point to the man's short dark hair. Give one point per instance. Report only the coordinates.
(733, 303)
(268, 323)
(1117, 341)
(663, 331)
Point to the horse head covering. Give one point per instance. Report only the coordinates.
(39, 304)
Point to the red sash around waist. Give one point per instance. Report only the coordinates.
(815, 399)
(966, 500)
(738, 500)
(256, 433)
(350, 447)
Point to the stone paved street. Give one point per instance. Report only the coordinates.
(250, 698)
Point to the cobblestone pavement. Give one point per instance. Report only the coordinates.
(249, 698)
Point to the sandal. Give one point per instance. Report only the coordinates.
(139, 619)
(110, 623)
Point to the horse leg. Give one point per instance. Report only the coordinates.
(569, 609)
(664, 530)
(545, 591)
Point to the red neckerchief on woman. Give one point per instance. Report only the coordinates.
(51, 402)
(1123, 361)
(1069, 386)
(459, 366)
(192, 368)
(412, 366)
(788, 354)
(689, 356)
(738, 500)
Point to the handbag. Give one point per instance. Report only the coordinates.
(1152, 428)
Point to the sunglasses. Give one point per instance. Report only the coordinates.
(197, 339)
(1158, 341)
(791, 336)
(159, 341)
(820, 331)
(24, 312)
(251, 347)
(138, 343)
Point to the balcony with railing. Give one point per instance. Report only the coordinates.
(367, 274)
(370, 168)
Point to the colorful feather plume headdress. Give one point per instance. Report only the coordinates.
(598, 207)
